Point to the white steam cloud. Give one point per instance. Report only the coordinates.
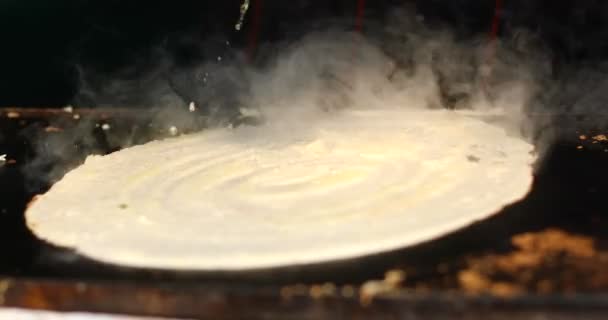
(401, 64)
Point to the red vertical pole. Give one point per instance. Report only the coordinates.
(496, 20)
(360, 15)
(491, 47)
(255, 29)
(494, 32)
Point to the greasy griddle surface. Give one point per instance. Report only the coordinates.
(566, 205)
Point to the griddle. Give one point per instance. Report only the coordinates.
(567, 194)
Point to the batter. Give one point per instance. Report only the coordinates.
(353, 183)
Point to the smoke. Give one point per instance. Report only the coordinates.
(402, 64)
(399, 63)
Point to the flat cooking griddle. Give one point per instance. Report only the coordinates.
(463, 274)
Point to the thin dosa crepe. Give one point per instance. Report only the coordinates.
(355, 183)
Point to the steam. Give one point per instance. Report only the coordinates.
(400, 63)
(405, 66)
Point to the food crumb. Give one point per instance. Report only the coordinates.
(173, 130)
(123, 206)
(394, 278)
(582, 137)
(473, 281)
(192, 107)
(316, 292)
(105, 127)
(579, 147)
(52, 129)
(535, 257)
(348, 291)
(319, 291)
(503, 289)
(371, 289)
(2, 158)
(76, 116)
(555, 240)
(600, 137)
(329, 289)
(68, 109)
(12, 115)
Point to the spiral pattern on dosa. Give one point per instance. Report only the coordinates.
(354, 183)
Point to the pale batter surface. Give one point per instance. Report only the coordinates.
(354, 183)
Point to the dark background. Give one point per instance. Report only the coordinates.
(42, 42)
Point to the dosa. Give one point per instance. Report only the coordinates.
(354, 183)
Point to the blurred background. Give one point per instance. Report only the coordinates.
(44, 43)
